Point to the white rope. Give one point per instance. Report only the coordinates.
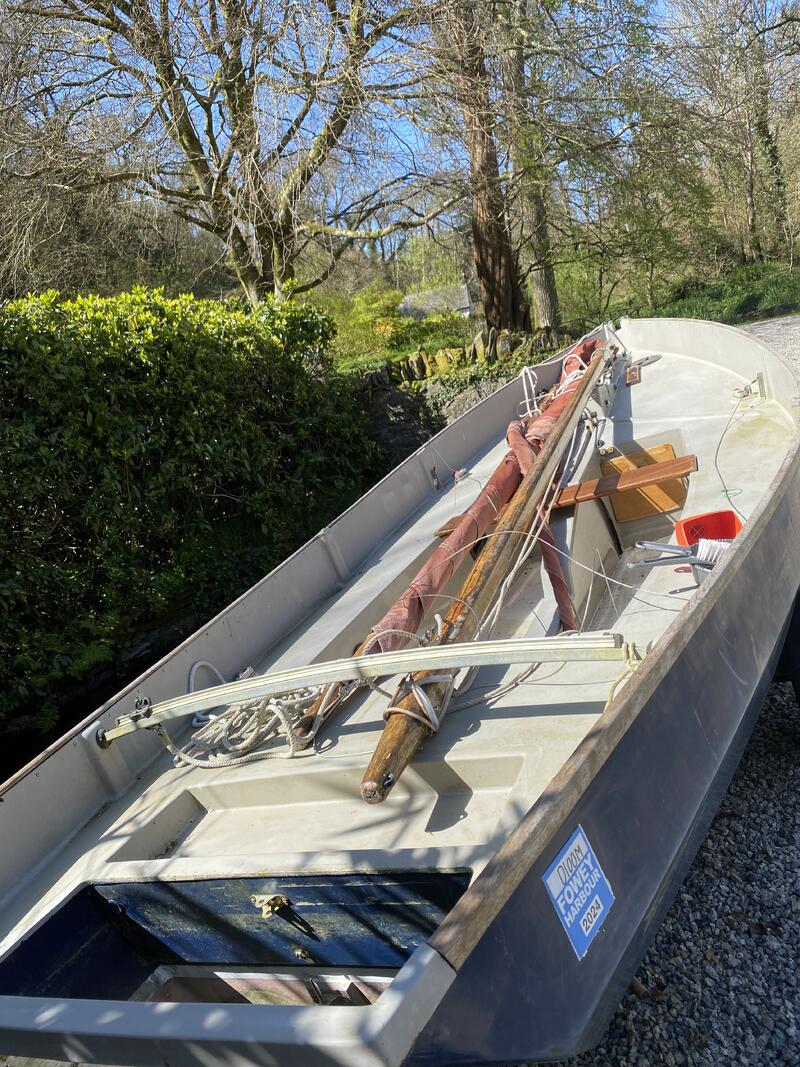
(236, 735)
(530, 380)
(194, 668)
(633, 660)
(427, 714)
(613, 581)
(202, 717)
(391, 632)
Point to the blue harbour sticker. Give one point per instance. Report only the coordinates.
(579, 891)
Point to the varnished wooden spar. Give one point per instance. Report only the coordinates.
(335, 696)
(341, 690)
(402, 735)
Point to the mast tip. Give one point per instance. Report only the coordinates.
(375, 792)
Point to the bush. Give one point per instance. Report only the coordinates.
(374, 305)
(441, 329)
(160, 454)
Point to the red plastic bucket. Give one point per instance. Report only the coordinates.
(714, 525)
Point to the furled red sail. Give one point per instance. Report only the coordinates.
(525, 440)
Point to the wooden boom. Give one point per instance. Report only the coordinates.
(308, 726)
(403, 734)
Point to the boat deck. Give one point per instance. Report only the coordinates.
(470, 784)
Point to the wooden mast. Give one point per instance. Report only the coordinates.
(402, 735)
(334, 696)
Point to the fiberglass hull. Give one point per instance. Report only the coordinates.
(646, 811)
(498, 981)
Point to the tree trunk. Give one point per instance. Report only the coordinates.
(651, 289)
(776, 185)
(256, 281)
(282, 267)
(754, 242)
(768, 145)
(543, 279)
(524, 146)
(504, 303)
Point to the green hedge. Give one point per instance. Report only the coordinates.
(159, 455)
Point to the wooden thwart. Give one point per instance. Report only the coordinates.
(619, 482)
(655, 499)
(627, 480)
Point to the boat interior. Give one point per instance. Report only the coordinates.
(273, 882)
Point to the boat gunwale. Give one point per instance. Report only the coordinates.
(462, 928)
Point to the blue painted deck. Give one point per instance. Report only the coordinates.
(106, 940)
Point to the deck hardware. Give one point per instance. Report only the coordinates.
(645, 361)
(302, 954)
(756, 387)
(435, 478)
(270, 904)
(143, 707)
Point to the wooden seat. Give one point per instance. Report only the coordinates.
(637, 474)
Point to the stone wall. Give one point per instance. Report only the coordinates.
(487, 347)
(403, 418)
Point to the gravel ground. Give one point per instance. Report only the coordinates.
(720, 984)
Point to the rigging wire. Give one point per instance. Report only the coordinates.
(729, 493)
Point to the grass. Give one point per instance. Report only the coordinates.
(758, 290)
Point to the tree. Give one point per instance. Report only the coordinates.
(268, 125)
(572, 75)
(532, 172)
(464, 67)
(731, 72)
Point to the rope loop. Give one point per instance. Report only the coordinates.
(530, 380)
(426, 714)
(633, 660)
